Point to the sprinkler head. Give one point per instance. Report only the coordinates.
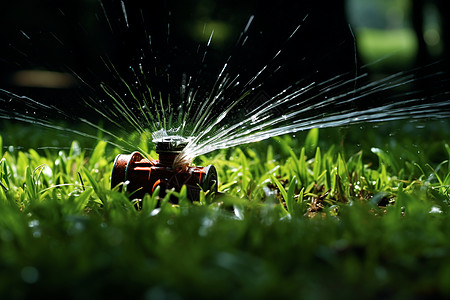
(169, 147)
(170, 144)
(141, 175)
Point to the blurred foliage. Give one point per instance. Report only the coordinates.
(382, 14)
(393, 31)
(387, 51)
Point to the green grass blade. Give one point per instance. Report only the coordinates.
(290, 201)
(30, 184)
(317, 165)
(97, 156)
(282, 191)
(95, 186)
(311, 141)
(301, 203)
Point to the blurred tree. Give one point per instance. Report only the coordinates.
(423, 56)
(428, 84)
(418, 20)
(444, 9)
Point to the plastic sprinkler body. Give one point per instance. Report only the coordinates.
(142, 176)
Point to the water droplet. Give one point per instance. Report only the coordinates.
(28, 37)
(33, 223)
(155, 212)
(435, 210)
(29, 274)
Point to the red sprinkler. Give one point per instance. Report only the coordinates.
(141, 175)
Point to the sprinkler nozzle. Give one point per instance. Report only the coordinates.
(142, 176)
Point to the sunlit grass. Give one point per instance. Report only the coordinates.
(299, 217)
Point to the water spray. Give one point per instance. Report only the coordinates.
(141, 175)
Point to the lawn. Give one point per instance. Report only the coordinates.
(329, 213)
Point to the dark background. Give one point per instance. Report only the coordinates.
(87, 37)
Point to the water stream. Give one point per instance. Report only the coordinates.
(235, 108)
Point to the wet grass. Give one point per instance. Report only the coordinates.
(328, 213)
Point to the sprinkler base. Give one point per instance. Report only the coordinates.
(140, 176)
